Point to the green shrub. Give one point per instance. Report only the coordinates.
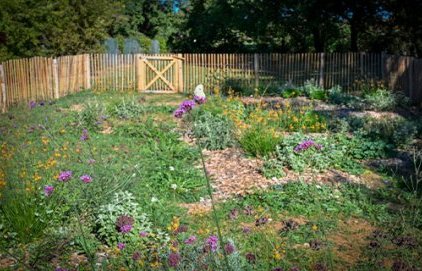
(259, 141)
(313, 91)
(124, 204)
(381, 99)
(213, 132)
(337, 96)
(337, 151)
(92, 116)
(291, 93)
(272, 168)
(127, 109)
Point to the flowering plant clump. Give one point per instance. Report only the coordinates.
(85, 135)
(86, 178)
(48, 190)
(65, 176)
(124, 223)
(306, 144)
(212, 243)
(199, 99)
(187, 105)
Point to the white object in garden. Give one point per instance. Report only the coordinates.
(199, 91)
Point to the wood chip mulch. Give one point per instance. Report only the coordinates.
(233, 174)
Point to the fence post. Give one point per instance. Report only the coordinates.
(140, 73)
(3, 89)
(256, 69)
(410, 66)
(383, 66)
(321, 70)
(56, 79)
(180, 73)
(87, 64)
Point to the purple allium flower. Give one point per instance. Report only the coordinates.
(187, 105)
(124, 223)
(246, 230)
(199, 99)
(306, 144)
(136, 256)
(229, 248)
(190, 240)
(48, 190)
(60, 269)
(86, 178)
(178, 113)
(212, 243)
(65, 176)
(174, 259)
(250, 257)
(32, 104)
(42, 103)
(85, 135)
(121, 246)
(143, 234)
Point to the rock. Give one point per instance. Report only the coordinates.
(199, 91)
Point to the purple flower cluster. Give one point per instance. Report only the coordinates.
(48, 190)
(65, 176)
(174, 259)
(184, 108)
(199, 99)
(229, 248)
(124, 223)
(306, 144)
(212, 243)
(190, 240)
(85, 135)
(86, 178)
(121, 246)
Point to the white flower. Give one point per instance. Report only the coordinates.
(134, 175)
(171, 168)
(174, 186)
(154, 199)
(201, 199)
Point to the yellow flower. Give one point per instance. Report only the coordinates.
(314, 227)
(37, 177)
(44, 140)
(174, 225)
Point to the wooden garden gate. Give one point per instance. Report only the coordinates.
(160, 73)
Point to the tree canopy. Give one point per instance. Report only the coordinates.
(59, 27)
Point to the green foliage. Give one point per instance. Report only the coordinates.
(313, 90)
(213, 132)
(396, 131)
(291, 92)
(380, 99)
(123, 204)
(92, 115)
(127, 109)
(259, 141)
(273, 168)
(338, 151)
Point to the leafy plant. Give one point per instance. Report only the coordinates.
(92, 115)
(314, 91)
(381, 99)
(259, 141)
(213, 132)
(127, 109)
(124, 204)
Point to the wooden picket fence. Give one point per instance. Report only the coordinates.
(45, 78)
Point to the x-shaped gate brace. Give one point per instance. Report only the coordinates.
(160, 73)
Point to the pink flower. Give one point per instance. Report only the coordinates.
(143, 234)
(65, 176)
(86, 178)
(190, 240)
(48, 190)
(121, 246)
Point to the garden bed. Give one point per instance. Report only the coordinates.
(116, 180)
